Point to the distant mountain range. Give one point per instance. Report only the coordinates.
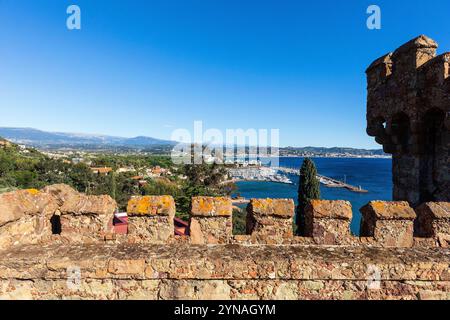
(60, 140)
(44, 139)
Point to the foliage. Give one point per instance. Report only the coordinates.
(203, 180)
(29, 168)
(136, 161)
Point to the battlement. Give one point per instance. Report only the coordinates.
(408, 107)
(406, 248)
(60, 214)
(400, 81)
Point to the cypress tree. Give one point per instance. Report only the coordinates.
(113, 185)
(308, 189)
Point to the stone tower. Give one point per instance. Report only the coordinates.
(408, 106)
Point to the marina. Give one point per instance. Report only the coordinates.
(258, 173)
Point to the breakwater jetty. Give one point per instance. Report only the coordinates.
(327, 181)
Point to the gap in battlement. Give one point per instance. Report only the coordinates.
(239, 221)
(56, 224)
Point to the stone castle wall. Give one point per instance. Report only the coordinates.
(28, 218)
(185, 271)
(86, 260)
(408, 107)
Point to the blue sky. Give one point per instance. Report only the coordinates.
(149, 67)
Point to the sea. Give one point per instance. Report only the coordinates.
(372, 174)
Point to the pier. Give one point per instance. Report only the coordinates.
(327, 181)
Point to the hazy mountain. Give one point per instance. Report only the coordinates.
(60, 140)
(39, 138)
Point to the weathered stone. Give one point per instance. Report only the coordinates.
(210, 221)
(390, 223)
(389, 210)
(210, 230)
(17, 204)
(433, 221)
(328, 222)
(89, 205)
(61, 192)
(408, 103)
(25, 217)
(127, 267)
(272, 207)
(140, 271)
(194, 290)
(150, 229)
(211, 206)
(150, 219)
(151, 206)
(32, 216)
(138, 290)
(270, 220)
(82, 218)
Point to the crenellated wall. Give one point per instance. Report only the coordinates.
(270, 222)
(408, 107)
(55, 213)
(28, 218)
(86, 260)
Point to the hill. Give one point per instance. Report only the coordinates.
(89, 142)
(55, 140)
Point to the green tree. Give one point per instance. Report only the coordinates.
(25, 179)
(80, 176)
(308, 189)
(113, 184)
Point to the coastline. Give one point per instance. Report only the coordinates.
(373, 175)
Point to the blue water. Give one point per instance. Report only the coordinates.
(373, 175)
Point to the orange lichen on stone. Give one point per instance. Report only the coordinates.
(395, 210)
(272, 207)
(33, 192)
(151, 205)
(211, 206)
(331, 209)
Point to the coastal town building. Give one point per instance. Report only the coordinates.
(102, 171)
(126, 169)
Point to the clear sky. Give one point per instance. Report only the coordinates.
(149, 67)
